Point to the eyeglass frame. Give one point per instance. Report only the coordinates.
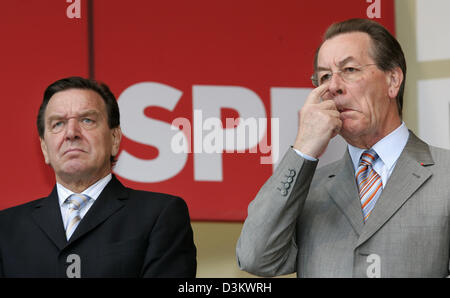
(315, 79)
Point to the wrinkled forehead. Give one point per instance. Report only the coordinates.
(354, 47)
(72, 102)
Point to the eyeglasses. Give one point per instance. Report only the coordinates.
(347, 74)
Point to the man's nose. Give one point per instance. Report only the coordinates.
(73, 130)
(336, 85)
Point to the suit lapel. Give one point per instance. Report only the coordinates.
(47, 215)
(110, 201)
(342, 189)
(409, 174)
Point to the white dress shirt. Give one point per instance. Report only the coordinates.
(92, 191)
(388, 149)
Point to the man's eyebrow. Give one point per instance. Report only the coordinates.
(345, 61)
(57, 116)
(89, 113)
(339, 64)
(320, 68)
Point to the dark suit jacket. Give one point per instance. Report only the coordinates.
(126, 233)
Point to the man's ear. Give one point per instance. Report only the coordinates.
(44, 151)
(116, 134)
(395, 79)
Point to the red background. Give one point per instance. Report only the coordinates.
(254, 44)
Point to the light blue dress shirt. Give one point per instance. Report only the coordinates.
(92, 191)
(388, 149)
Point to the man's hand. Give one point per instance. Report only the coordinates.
(319, 122)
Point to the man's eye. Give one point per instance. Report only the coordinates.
(324, 78)
(350, 70)
(57, 124)
(87, 121)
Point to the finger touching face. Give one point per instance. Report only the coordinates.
(358, 87)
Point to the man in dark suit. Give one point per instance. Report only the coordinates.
(91, 225)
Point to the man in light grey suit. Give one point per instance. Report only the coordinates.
(377, 213)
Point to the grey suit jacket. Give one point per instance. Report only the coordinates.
(310, 221)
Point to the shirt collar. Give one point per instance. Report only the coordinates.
(92, 191)
(388, 148)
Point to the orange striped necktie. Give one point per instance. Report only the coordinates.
(368, 181)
